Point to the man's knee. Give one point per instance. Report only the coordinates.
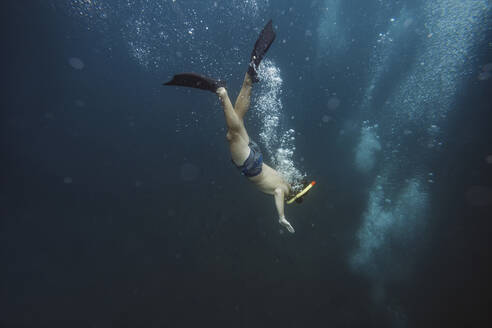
(232, 134)
(236, 127)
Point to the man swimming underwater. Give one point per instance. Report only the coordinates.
(245, 153)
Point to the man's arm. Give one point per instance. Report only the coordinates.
(279, 203)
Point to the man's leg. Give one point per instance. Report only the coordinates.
(243, 100)
(263, 43)
(236, 133)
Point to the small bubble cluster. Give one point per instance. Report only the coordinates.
(151, 28)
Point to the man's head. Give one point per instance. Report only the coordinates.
(297, 188)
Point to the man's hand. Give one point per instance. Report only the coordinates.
(286, 224)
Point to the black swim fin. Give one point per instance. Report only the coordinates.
(265, 40)
(197, 81)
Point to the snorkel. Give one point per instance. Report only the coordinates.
(298, 197)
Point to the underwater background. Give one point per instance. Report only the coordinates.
(120, 206)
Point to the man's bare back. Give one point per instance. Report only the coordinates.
(269, 180)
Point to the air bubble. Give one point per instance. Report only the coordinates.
(333, 103)
(76, 63)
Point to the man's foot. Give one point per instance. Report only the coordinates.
(253, 72)
(265, 40)
(221, 92)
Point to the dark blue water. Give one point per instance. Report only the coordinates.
(120, 206)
